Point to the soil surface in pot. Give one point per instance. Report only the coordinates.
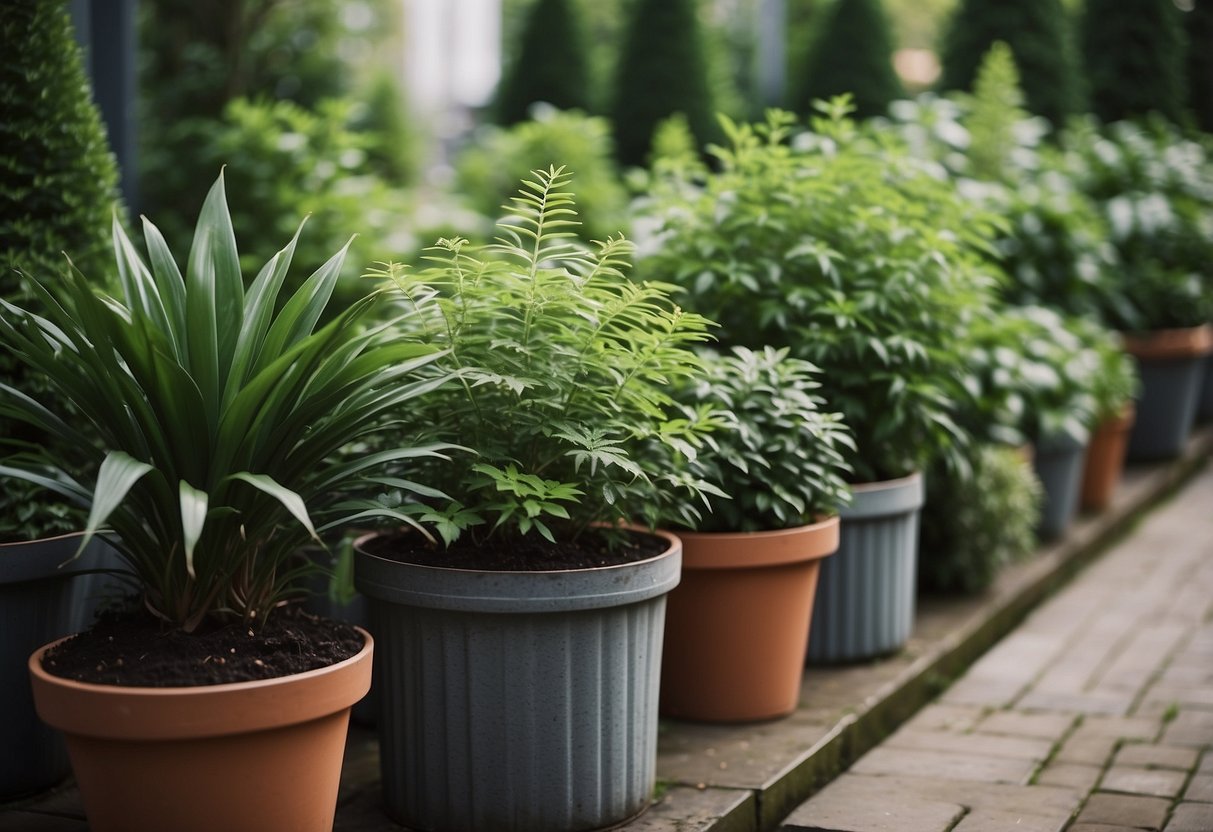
(138, 650)
(532, 553)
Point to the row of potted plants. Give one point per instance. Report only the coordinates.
(512, 408)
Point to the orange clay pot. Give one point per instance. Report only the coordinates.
(1106, 460)
(263, 755)
(736, 631)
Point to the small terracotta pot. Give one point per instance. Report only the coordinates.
(1106, 460)
(736, 629)
(263, 755)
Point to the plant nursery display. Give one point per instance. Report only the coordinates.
(844, 249)
(736, 626)
(216, 420)
(551, 614)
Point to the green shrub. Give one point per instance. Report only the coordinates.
(852, 53)
(661, 71)
(1133, 55)
(994, 109)
(973, 526)
(495, 160)
(565, 368)
(392, 144)
(776, 453)
(1155, 190)
(842, 249)
(1039, 34)
(551, 65)
(58, 183)
(1198, 25)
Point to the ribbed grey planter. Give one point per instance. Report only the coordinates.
(865, 598)
(353, 611)
(1172, 368)
(517, 700)
(1058, 462)
(39, 602)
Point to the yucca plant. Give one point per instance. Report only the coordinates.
(223, 417)
(565, 367)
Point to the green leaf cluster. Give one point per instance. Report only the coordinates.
(973, 526)
(215, 423)
(776, 453)
(564, 370)
(842, 248)
(1154, 188)
(1034, 375)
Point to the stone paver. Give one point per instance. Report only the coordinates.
(1191, 817)
(1126, 810)
(1157, 782)
(1108, 687)
(1157, 756)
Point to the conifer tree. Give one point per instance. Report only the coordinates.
(1198, 23)
(1040, 34)
(995, 107)
(662, 70)
(551, 64)
(1134, 58)
(852, 52)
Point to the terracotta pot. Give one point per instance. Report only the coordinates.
(1171, 364)
(736, 630)
(1106, 460)
(263, 755)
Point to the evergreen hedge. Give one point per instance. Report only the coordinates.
(1198, 24)
(551, 64)
(1040, 35)
(1133, 52)
(662, 70)
(852, 53)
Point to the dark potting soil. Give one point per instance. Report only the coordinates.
(137, 650)
(594, 548)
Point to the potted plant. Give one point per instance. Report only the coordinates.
(519, 662)
(216, 419)
(1033, 374)
(843, 249)
(736, 626)
(1156, 192)
(1115, 386)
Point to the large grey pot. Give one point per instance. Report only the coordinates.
(865, 597)
(40, 601)
(1172, 368)
(517, 700)
(1058, 463)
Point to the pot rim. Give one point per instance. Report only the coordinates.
(885, 498)
(197, 711)
(1170, 344)
(50, 557)
(772, 547)
(500, 591)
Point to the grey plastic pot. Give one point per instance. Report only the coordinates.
(1058, 463)
(1172, 368)
(865, 598)
(40, 601)
(517, 700)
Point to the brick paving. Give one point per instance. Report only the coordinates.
(1094, 715)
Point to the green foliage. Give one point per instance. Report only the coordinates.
(291, 162)
(841, 248)
(496, 160)
(994, 109)
(661, 70)
(221, 417)
(1034, 375)
(551, 64)
(564, 366)
(1115, 383)
(1155, 190)
(1040, 36)
(58, 183)
(391, 142)
(1198, 26)
(1133, 54)
(852, 53)
(972, 527)
(776, 453)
